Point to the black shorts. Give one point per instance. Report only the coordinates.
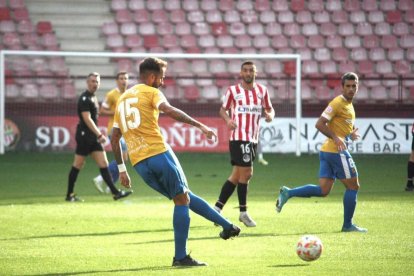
(242, 153)
(412, 143)
(86, 142)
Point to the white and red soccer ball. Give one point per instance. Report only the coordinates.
(309, 248)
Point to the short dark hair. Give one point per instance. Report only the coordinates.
(151, 65)
(349, 76)
(95, 74)
(248, 62)
(121, 73)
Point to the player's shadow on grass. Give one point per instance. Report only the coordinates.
(139, 269)
(95, 234)
(288, 265)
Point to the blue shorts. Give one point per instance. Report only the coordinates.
(164, 174)
(337, 165)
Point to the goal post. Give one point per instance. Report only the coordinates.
(8, 54)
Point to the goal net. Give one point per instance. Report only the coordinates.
(39, 90)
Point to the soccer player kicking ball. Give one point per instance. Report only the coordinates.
(337, 124)
(136, 119)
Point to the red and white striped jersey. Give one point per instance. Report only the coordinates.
(245, 110)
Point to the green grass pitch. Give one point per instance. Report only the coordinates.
(41, 234)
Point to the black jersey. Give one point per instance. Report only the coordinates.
(87, 102)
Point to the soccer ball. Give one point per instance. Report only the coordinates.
(309, 248)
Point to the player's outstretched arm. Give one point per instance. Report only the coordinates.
(181, 116)
(117, 150)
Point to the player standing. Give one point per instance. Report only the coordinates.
(89, 140)
(136, 119)
(108, 109)
(245, 101)
(410, 166)
(337, 124)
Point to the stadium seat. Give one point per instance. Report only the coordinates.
(333, 82)
(177, 16)
(210, 93)
(306, 92)
(372, 82)
(375, 17)
(226, 5)
(191, 93)
(110, 28)
(400, 29)
(48, 91)
(298, 41)
(352, 5)
(333, 5)
(340, 54)
(68, 91)
(261, 5)
(231, 16)
(243, 41)
(199, 66)
(403, 68)
(272, 29)
(347, 66)
(225, 41)
(16, 4)
(358, 54)
(183, 28)
(214, 16)
(279, 41)
(201, 28)
(255, 29)
(357, 17)
(322, 54)
(159, 16)
(114, 41)
(310, 29)
(38, 64)
(290, 29)
(323, 93)
(339, 17)
(4, 14)
(136, 5)
(218, 66)
(155, 5)
(316, 41)
(321, 17)
(304, 17)
(250, 16)
(394, 94)
(328, 67)
(389, 42)
(7, 26)
(44, 27)
(146, 28)
(409, 16)
(410, 54)
(407, 41)
(21, 14)
(243, 5)
(334, 41)
(370, 41)
(134, 41)
(125, 65)
(394, 17)
(366, 67)
(378, 93)
(280, 5)
(261, 41)
(363, 29)
(328, 29)
(12, 91)
(305, 53)
(352, 41)
(128, 28)
(377, 54)
(117, 5)
(122, 16)
(346, 29)
(310, 68)
(382, 28)
(207, 5)
(272, 67)
(164, 28)
(369, 5)
(395, 54)
(235, 29)
(267, 16)
(208, 41)
(297, 5)
(286, 17)
(188, 41)
(195, 16)
(30, 91)
(384, 67)
(315, 5)
(405, 5)
(12, 41)
(221, 29)
(363, 94)
(388, 5)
